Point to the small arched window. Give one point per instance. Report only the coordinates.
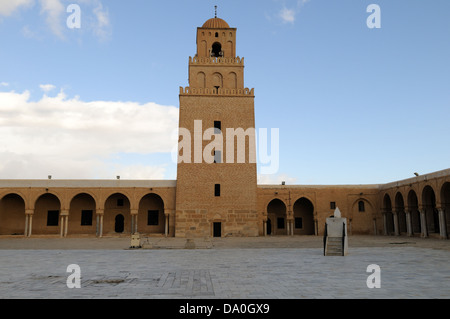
(361, 206)
(217, 34)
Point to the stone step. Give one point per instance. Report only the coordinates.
(334, 246)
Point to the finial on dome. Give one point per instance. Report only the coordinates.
(215, 9)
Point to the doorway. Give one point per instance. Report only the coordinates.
(217, 229)
(119, 224)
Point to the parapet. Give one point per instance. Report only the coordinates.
(214, 60)
(217, 91)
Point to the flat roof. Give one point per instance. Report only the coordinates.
(92, 183)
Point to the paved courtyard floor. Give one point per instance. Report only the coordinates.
(236, 268)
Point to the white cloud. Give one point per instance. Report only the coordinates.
(7, 7)
(71, 138)
(54, 11)
(47, 87)
(289, 15)
(4, 84)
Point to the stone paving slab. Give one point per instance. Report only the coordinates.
(218, 273)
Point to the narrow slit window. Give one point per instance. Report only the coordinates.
(217, 190)
(217, 127)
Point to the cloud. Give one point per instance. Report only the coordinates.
(102, 26)
(7, 7)
(54, 12)
(70, 138)
(4, 84)
(289, 15)
(47, 87)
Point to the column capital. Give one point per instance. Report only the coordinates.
(29, 211)
(64, 212)
(134, 211)
(100, 211)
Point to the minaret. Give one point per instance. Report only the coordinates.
(216, 172)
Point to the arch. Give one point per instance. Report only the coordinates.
(389, 217)
(116, 204)
(217, 80)
(216, 50)
(400, 209)
(203, 49)
(46, 215)
(201, 80)
(229, 52)
(151, 217)
(303, 217)
(232, 80)
(82, 213)
(413, 207)
(276, 211)
(429, 207)
(12, 214)
(445, 204)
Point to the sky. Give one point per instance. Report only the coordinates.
(353, 104)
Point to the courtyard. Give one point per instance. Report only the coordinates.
(276, 267)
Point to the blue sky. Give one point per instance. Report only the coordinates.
(354, 105)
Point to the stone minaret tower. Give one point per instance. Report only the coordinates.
(216, 173)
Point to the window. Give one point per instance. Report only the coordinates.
(298, 222)
(217, 127)
(217, 190)
(216, 50)
(332, 205)
(52, 218)
(120, 202)
(217, 157)
(361, 206)
(153, 218)
(217, 34)
(86, 218)
(280, 223)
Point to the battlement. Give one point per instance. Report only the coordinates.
(214, 61)
(214, 91)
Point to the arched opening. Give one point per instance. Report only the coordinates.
(119, 225)
(151, 218)
(216, 50)
(303, 217)
(389, 217)
(82, 215)
(413, 206)
(445, 199)
(46, 215)
(400, 209)
(276, 211)
(429, 206)
(12, 215)
(116, 204)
